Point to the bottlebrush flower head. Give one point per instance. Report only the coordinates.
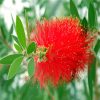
(64, 48)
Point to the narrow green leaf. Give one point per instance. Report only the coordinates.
(27, 26)
(56, 95)
(14, 68)
(73, 9)
(91, 16)
(45, 95)
(10, 33)
(16, 39)
(11, 29)
(3, 29)
(61, 89)
(85, 23)
(13, 21)
(86, 89)
(92, 71)
(20, 32)
(97, 46)
(31, 67)
(31, 48)
(18, 48)
(9, 59)
(91, 78)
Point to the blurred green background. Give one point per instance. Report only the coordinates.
(20, 87)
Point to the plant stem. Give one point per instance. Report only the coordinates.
(96, 83)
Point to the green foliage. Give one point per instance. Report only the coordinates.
(9, 58)
(9, 37)
(85, 23)
(97, 46)
(73, 9)
(16, 40)
(16, 59)
(92, 17)
(18, 48)
(3, 28)
(31, 67)
(27, 26)
(1, 1)
(31, 48)
(91, 78)
(92, 23)
(30, 91)
(20, 32)
(14, 67)
(86, 90)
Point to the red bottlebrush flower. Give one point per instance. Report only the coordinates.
(67, 50)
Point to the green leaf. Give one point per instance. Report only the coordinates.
(91, 1)
(27, 26)
(13, 21)
(91, 16)
(16, 39)
(9, 37)
(61, 89)
(97, 46)
(1, 1)
(31, 67)
(45, 95)
(56, 95)
(9, 59)
(18, 48)
(11, 29)
(20, 32)
(86, 89)
(85, 23)
(73, 9)
(31, 48)
(91, 78)
(14, 68)
(3, 29)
